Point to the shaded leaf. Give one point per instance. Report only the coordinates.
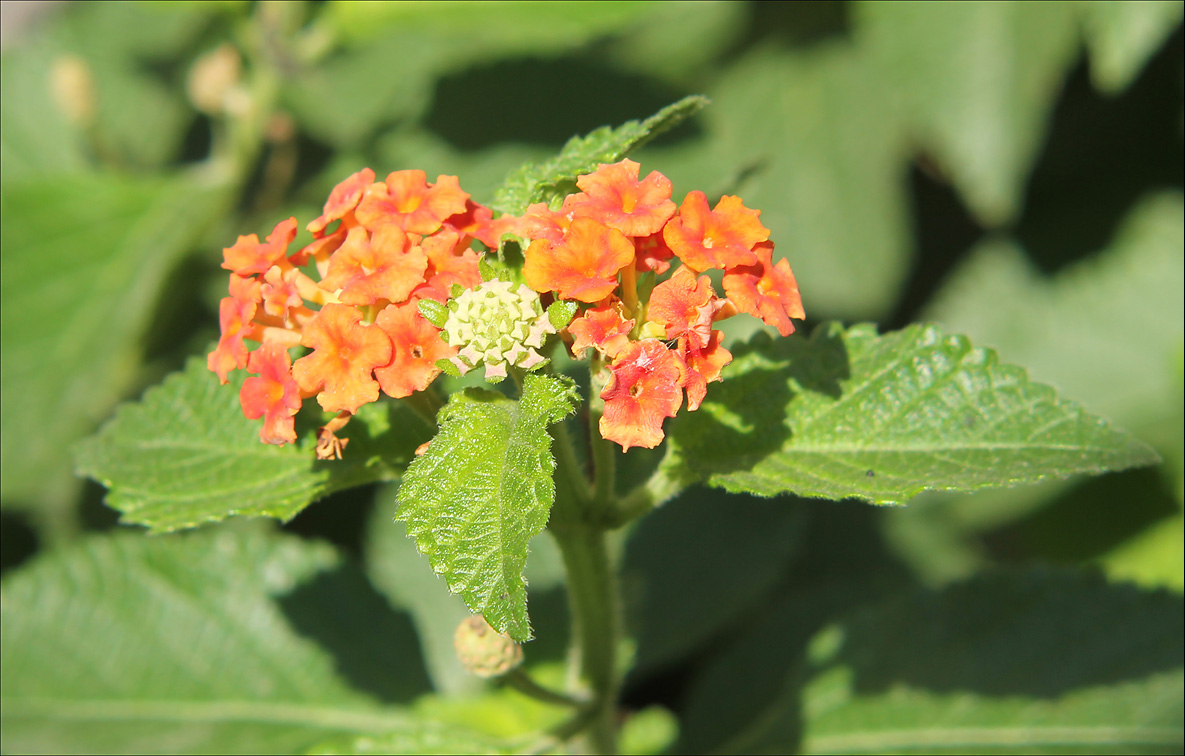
(678, 598)
(555, 178)
(1043, 662)
(882, 418)
(483, 489)
(1122, 36)
(977, 81)
(84, 259)
(185, 455)
(219, 641)
(819, 148)
(1105, 331)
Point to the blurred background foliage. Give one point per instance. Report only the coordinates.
(1012, 171)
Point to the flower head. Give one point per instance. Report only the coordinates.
(499, 326)
(583, 266)
(410, 202)
(614, 196)
(719, 238)
(766, 291)
(416, 346)
(274, 395)
(340, 370)
(644, 390)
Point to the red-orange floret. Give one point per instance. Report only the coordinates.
(541, 222)
(417, 347)
(653, 253)
(340, 370)
(703, 366)
(248, 256)
(602, 328)
(685, 306)
(449, 263)
(280, 292)
(369, 267)
(614, 195)
(720, 238)
(410, 202)
(766, 291)
(342, 200)
(583, 266)
(644, 390)
(234, 317)
(274, 395)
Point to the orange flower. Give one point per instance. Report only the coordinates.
(643, 391)
(234, 317)
(685, 306)
(449, 263)
(410, 202)
(342, 200)
(703, 366)
(653, 253)
(541, 222)
(417, 347)
(721, 238)
(583, 266)
(274, 395)
(615, 196)
(766, 291)
(370, 267)
(280, 292)
(249, 256)
(340, 370)
(602, 328)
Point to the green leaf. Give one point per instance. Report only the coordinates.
(483, 488)
(1154, 558)
(404, 576)
(418, 737)
(185, 455)
(679, 598)
(1044, 662)
(1122, 36)
(229, 640)
(35, 135)
(977, 81)
(1106, 331)
(84, 259)
(556, 177)
(821, 151)
(883, 418)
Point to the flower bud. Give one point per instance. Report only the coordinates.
(483, 651)
(498, 326)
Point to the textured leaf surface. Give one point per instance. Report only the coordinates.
(1121, 36)
(418, 737)
(882, 418)
(977, 81)
(557, 177)
(1036, 663)
(225, 640)
(84, 259)
(483, 488)
(185, 455)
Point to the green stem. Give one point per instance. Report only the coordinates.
(522, 682)
(594, 599)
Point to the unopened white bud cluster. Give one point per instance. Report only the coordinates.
(499, 326)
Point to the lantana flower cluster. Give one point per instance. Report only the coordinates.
(387, 254)
(606, 246)
(378, 249)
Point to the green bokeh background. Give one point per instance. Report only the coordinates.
(1010, 171)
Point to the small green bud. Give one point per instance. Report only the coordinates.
(499, 326)
(484, 651)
